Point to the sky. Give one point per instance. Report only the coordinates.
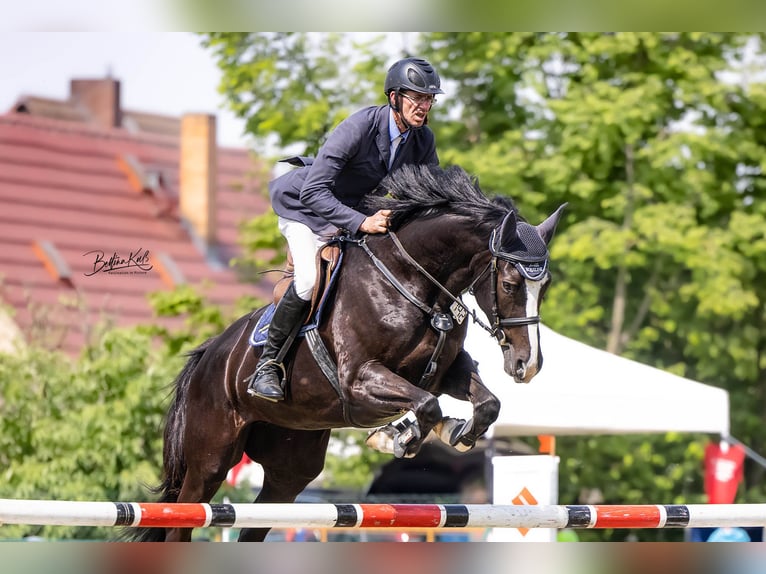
(160, 72)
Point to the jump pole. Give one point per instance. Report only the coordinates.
(267, 515)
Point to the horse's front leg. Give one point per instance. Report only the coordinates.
(379, 394)
(462, 381)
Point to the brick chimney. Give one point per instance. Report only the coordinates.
(100, 99)
(198, 175)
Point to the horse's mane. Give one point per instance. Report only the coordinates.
(415, 192)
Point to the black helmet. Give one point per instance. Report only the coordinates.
(414, 74)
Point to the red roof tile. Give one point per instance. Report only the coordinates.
(61, 182)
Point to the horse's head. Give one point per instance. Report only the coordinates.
(518, 279)
(515, 275)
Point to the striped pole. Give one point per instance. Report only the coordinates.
(192, 515)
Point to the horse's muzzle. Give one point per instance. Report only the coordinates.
(521, 370)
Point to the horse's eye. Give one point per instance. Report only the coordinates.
(509, 287)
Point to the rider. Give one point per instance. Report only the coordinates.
(314, 201)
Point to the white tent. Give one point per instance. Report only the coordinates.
(583, 390)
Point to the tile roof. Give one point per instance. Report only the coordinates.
(65, 193)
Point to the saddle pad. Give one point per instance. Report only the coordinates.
(258, 336)
(261, 331)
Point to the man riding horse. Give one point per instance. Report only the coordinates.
(313, 202)
(394, 334)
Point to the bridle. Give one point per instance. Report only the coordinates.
(533, 269)
(530, 261)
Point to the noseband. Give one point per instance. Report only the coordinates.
(499, 322)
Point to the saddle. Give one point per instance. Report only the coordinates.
(326, 261)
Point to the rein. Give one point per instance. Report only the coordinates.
(456, 301)
(497, 321)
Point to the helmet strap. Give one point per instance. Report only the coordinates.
(397, 105)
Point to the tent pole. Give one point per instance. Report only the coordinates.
(748, 451)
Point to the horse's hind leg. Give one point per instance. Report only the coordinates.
(209, 456)
(291, 459)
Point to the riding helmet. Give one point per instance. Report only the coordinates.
(414, 74)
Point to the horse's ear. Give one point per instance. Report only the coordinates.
(548, 227)
(507, 232)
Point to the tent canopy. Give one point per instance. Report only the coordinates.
(582, 390)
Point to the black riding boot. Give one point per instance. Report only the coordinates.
(267, 381)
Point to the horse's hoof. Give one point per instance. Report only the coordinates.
(455, 432)
(381, 439)
(394, 439)
(465, 444)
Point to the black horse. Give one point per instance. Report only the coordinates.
(393, 343)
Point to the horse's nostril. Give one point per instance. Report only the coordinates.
(520, 368)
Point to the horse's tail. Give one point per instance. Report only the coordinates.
(174, 463)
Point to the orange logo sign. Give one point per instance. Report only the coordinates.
(524, 498)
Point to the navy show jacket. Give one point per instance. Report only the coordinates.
(348, 167)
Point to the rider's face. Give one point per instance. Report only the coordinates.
(415, 107)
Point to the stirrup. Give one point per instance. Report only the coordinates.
(251, 379)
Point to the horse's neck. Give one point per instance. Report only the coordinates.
(445, 250)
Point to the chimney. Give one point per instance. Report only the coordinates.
(198, 175)
(100, 99)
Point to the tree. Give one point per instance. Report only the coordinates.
(82, 430)
(294, 87)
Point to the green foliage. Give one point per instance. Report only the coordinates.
(202, 320)
(263, 245)
(350, 463)
(656, 141)
(91, 428)
(631, 470)
(294, 87)
(82, 430)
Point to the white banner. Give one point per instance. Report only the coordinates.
(521, 480)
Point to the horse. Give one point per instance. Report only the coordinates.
(393, 343)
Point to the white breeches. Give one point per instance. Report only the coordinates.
(304, 245)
